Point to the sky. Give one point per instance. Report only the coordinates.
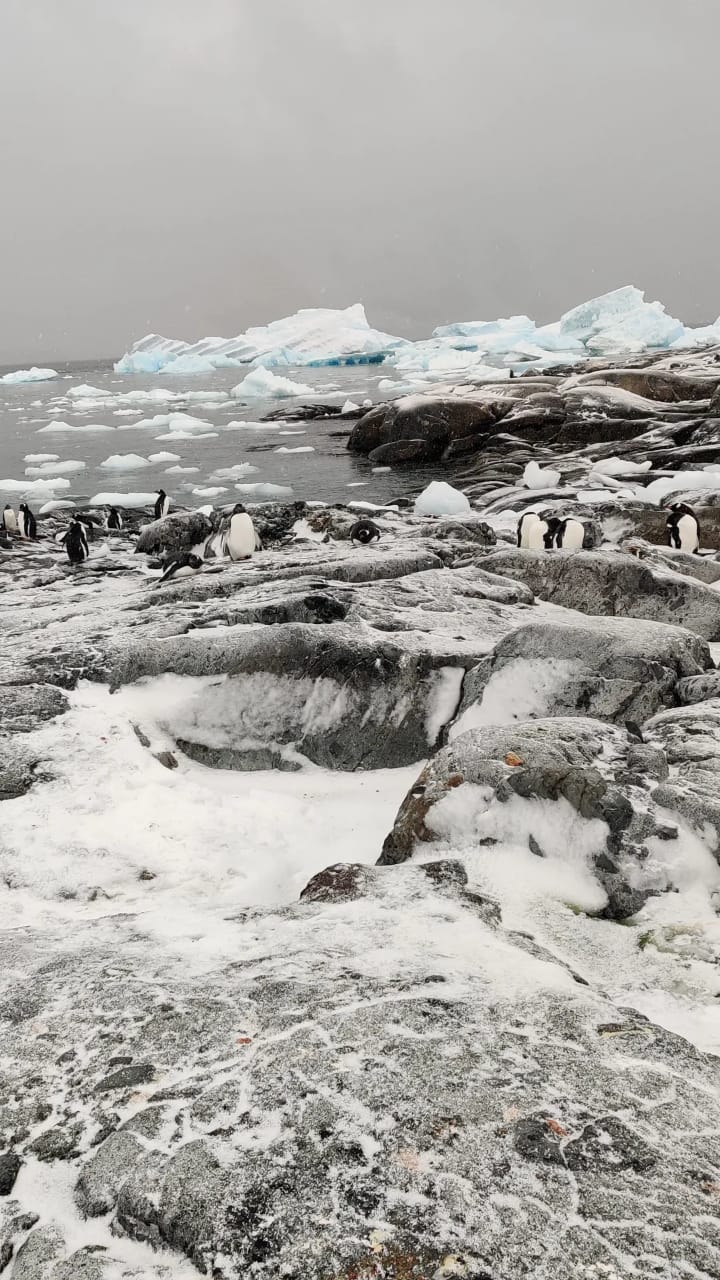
(193, 168)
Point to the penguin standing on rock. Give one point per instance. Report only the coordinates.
(180, 567)
(365, 532)
(114, 519)
(27, 524)
(9, 519)
(683, 528)
(241, 539)
(570, 535)
(76, 543)
(526, 523)
(162, 504)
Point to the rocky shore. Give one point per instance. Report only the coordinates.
(480, 1043)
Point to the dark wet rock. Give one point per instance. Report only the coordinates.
(609, 1144)
(555, 759)
(613, 670)
(9, 1170)
(176, 534)
(434, 420)
(241, 759)
(534, 1140)
(127, 1077)
(16, 768)
(274, 521)
(608, 583)
(398, 451)
(6, 1253)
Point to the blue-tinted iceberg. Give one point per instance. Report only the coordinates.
(29, 375)
(318, 336)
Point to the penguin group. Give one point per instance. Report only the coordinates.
(24, 523)
(543, 533)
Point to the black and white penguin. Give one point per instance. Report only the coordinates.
(526, 523)
(9, 519)
(550, 528)
(180, 567)
(76, 543)
(570, 535)
(114, 519)
(683, 528)
(27, 524)
(241, 539)
(162, 504)
(364, 531)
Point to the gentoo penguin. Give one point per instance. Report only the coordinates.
(683, 528)
(241, 539)
(527, 521)
(114, 519)
(570, 535)
(9, 520)
(180, 567)
(27, 524)
(364, 531)
(162, 504)
(76, 543)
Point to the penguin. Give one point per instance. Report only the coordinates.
(27, 524)
(683, 528)
(76, 543)
(162, 504)
(525, 524)
(183, 566)
(9, 520)
(551, 526)
(364, 531)
(114, 519)
(570, 535)
(241, 539)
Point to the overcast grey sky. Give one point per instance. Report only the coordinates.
(195, 166)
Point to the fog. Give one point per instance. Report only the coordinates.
(191, 168)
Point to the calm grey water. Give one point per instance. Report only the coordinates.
(328, 474)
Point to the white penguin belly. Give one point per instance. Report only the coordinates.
(573, 536)
(536, 536)
(529, 523)
(688, 533)
(240, 541)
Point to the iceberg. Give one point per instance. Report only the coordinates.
(29, 375)
(41, 457)
(316, 336)
(123, 499)
(42, 485)
(124, 462)
(261, 382)
(55, 468)
(261, 492)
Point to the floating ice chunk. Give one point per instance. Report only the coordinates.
(123, 499)
(41, 457)
(261, 491)
(124, 462)
(315, 336)
(187, 435)
(235, 472)
(67, 428)
(620, 466)
(210, 492)
(163, 457)
(536, 477)
(181, 471)
(350, 407)
(300, 448)
(43, 485)
(56, 468)
(56, 504)
(29, 375)
(261, 382)
(440, 499)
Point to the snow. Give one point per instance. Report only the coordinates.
(124, 462)
(123, 499)
(29, 375)
(316, 336)
(440, 499)
(261, 382)
(677, 483)
(523, 690)
(537, 477)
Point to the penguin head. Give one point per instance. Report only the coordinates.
(238, 509)
(194, 562)
(24, 507)
(161, 494)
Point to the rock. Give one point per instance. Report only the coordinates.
(17, 767)
(56, 1144)
(534, 1140)
(397, 451)
(127, 1077)
(699, 688)
(10, 1164)
(607, 583)
(26, 707)
(35, 1257)
(175, 534)
(434, 420)
(610, 1144)
(578, 761)
(614, 670)
(183, 1205)
(102, 1176)
(339, 883)
(652, 384)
